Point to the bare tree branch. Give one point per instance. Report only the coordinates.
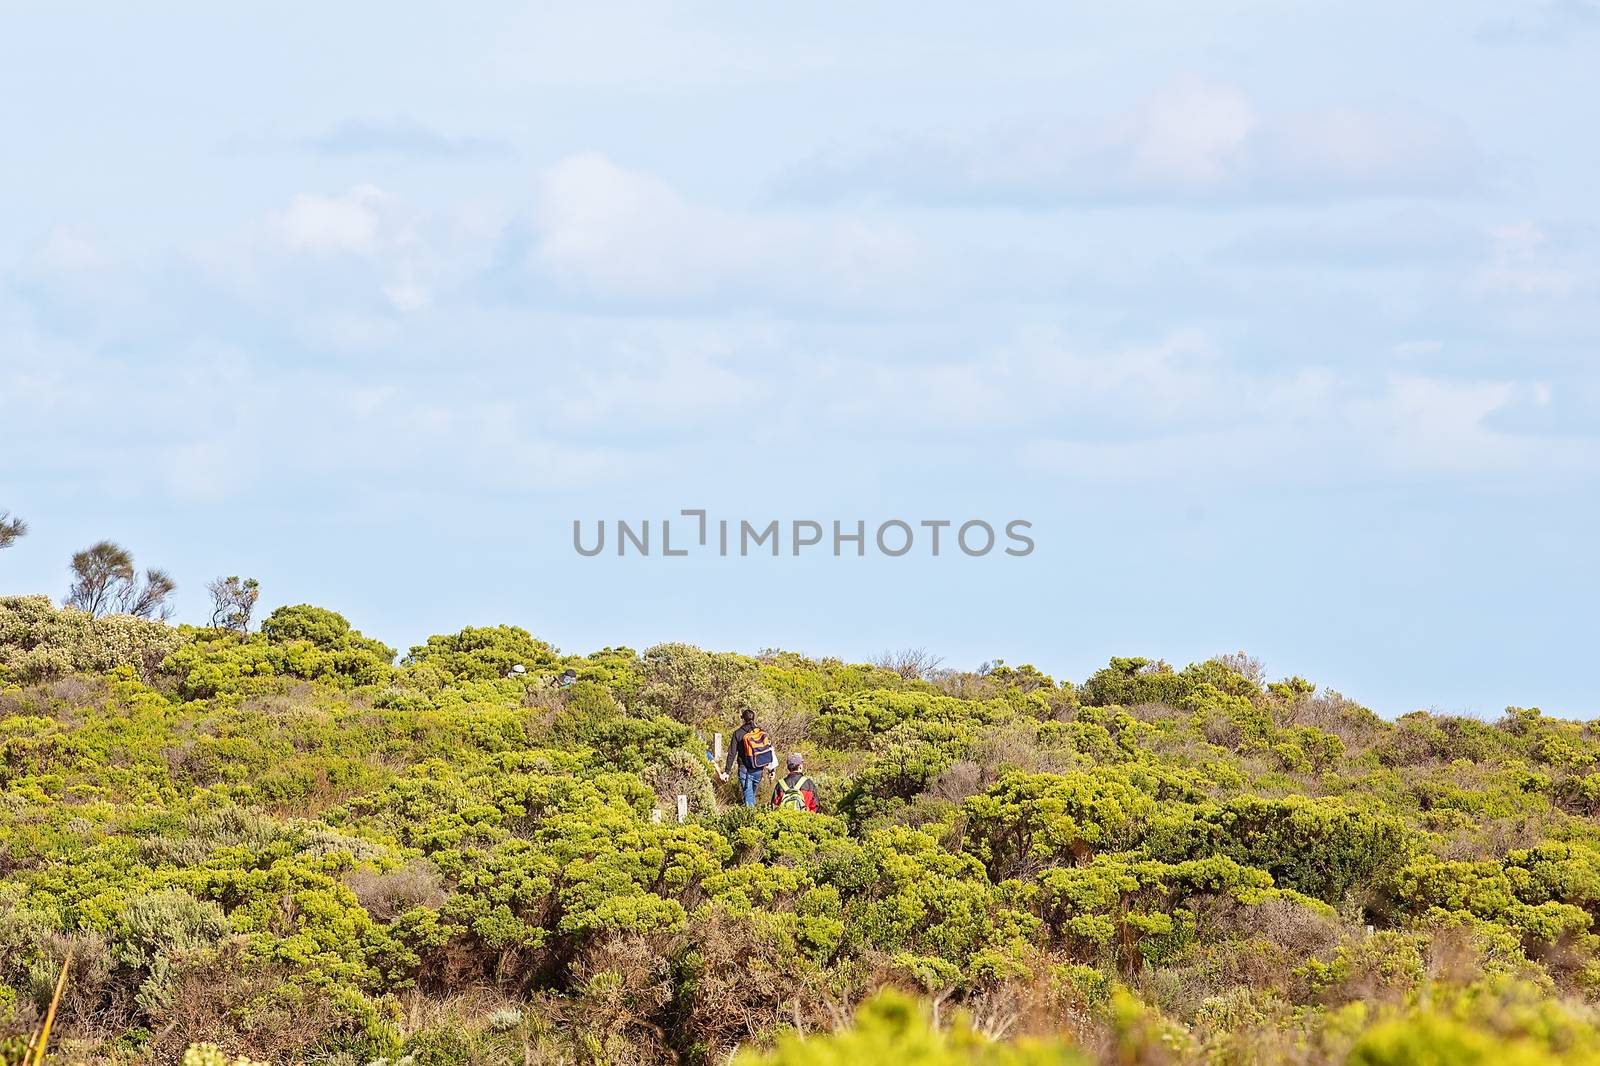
(150, 599)
(913, 664)
(10, 529)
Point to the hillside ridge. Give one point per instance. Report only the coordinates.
(299, 846)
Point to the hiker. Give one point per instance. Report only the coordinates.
(795, 791)
(752, 747)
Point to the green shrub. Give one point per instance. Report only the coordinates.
(39, 642)
(1027, 821)
(1323, 848)
(483, 654)
(303, 643)
(155, 928)
(282, 844)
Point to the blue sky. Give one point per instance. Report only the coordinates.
(1278, 320)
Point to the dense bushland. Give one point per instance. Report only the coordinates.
(299, 848)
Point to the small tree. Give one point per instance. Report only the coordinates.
(99, 572)
(10, 529)
(913, 664)
(232, 603)
(106, 583)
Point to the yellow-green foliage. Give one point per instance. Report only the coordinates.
(304, 643)
(482, 654)
(891, 1028)
(39, 642)
(211, 1055)
(287, 846)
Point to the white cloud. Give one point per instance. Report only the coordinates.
(1194, 141)
(1523, 262)
(602, 226)
(636, 44)
(201, 471)
(402, 137)
(66, 250)
(343, 267)
(1569, 410)
(1326, 429)
(1416, 348)
(214, 425)
(570, 399)
(1044, 383)
(406, 296)
(672, 388)
(1420, 424)
(327, 225)
(346, 266)
(78, 281)
(611, 232)
(1542, 22)
(364, 221)
(1182, 408)
(1193, 137)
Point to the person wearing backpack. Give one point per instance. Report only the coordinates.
(752, 748)
(795, 791)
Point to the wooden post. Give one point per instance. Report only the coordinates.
(716, 747)
(683, 807)
(655, 816)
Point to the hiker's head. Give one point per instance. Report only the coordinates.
(749, 716)
(795, 761)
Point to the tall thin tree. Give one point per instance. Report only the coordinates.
(100, 573)
(105, 582)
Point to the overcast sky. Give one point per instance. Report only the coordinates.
(1279, 322)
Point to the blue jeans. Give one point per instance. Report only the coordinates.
(749, 781)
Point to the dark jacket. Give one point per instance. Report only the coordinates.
(736, 751)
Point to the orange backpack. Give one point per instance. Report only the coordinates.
(758, 748)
